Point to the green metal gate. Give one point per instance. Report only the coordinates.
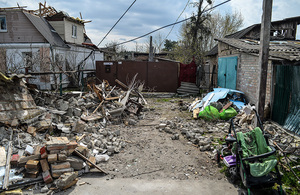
(286, 104)
(227, 67)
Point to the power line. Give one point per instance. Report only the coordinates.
(116, 22)
(175, 21)
(170, 25)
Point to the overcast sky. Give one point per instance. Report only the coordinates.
(145, 16)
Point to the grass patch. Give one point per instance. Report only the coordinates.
(290, 182)
(163, 99)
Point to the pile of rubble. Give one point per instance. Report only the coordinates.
(66, 135)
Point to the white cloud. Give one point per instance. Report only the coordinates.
(145, 16)
(252, 10)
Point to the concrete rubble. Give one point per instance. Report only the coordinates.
(57, 138)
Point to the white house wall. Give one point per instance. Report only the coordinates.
(68, 32)
(15, 61)
(74, 55)
(59, 28)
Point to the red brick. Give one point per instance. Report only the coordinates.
(43, 152)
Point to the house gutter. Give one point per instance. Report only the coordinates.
(24, 45)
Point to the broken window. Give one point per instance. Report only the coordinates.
(74, 31)
(298, 32)
(3, 27)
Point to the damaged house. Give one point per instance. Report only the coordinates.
(237, 60)
(42, 43)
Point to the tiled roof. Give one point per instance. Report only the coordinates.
(237, 35)
(288, 50)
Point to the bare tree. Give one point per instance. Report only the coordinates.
(221, 26)
(157, 39)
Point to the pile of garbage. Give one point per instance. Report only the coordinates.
(66, 136)
(221, 103)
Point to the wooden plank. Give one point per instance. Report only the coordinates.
(58, 166)
(122, 84)
(7, 166)
(2, 156)
(94, 165)
(44, 165)
(98, 107)
(24, 159)
(111, 98)
(226, 106)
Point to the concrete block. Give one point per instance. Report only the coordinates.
(66, 179)
(75, 162)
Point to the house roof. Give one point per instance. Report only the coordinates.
(287, 50)
(237, 35)
(240, 34)
(42, 25)
(61, 15)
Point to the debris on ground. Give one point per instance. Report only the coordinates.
(51, 139)
(221, 103)
(116, 131)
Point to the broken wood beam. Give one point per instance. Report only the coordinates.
(98, 106)
(7, 166)
(94, 165)
(122, 84)
(225, 107)
(111, 98)
(2, 156)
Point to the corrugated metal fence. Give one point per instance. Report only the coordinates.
(286, 106)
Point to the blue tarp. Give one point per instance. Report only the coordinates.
(221, 93)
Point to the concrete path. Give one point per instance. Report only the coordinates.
(119, 186)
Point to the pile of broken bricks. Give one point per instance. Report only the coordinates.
(80, 135)
(56, 163)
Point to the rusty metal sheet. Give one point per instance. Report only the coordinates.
(163, 76)
(158, 76)
(127, 70)
(106, 70)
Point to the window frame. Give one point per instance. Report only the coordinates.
(74, 31)
(5, 23)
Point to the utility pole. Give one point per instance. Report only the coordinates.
(264, 55)
(151, 50)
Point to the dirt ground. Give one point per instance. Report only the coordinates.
(150, 154)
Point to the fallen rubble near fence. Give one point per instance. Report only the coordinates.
(53, 139)
(79, 132)
(213, 108)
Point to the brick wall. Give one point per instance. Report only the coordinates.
(248, 73)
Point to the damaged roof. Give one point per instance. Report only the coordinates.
(42, 25)
(237, 35)
(246, 32)
(287, 50)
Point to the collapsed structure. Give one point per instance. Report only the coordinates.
(50, 45)
(48, 137)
